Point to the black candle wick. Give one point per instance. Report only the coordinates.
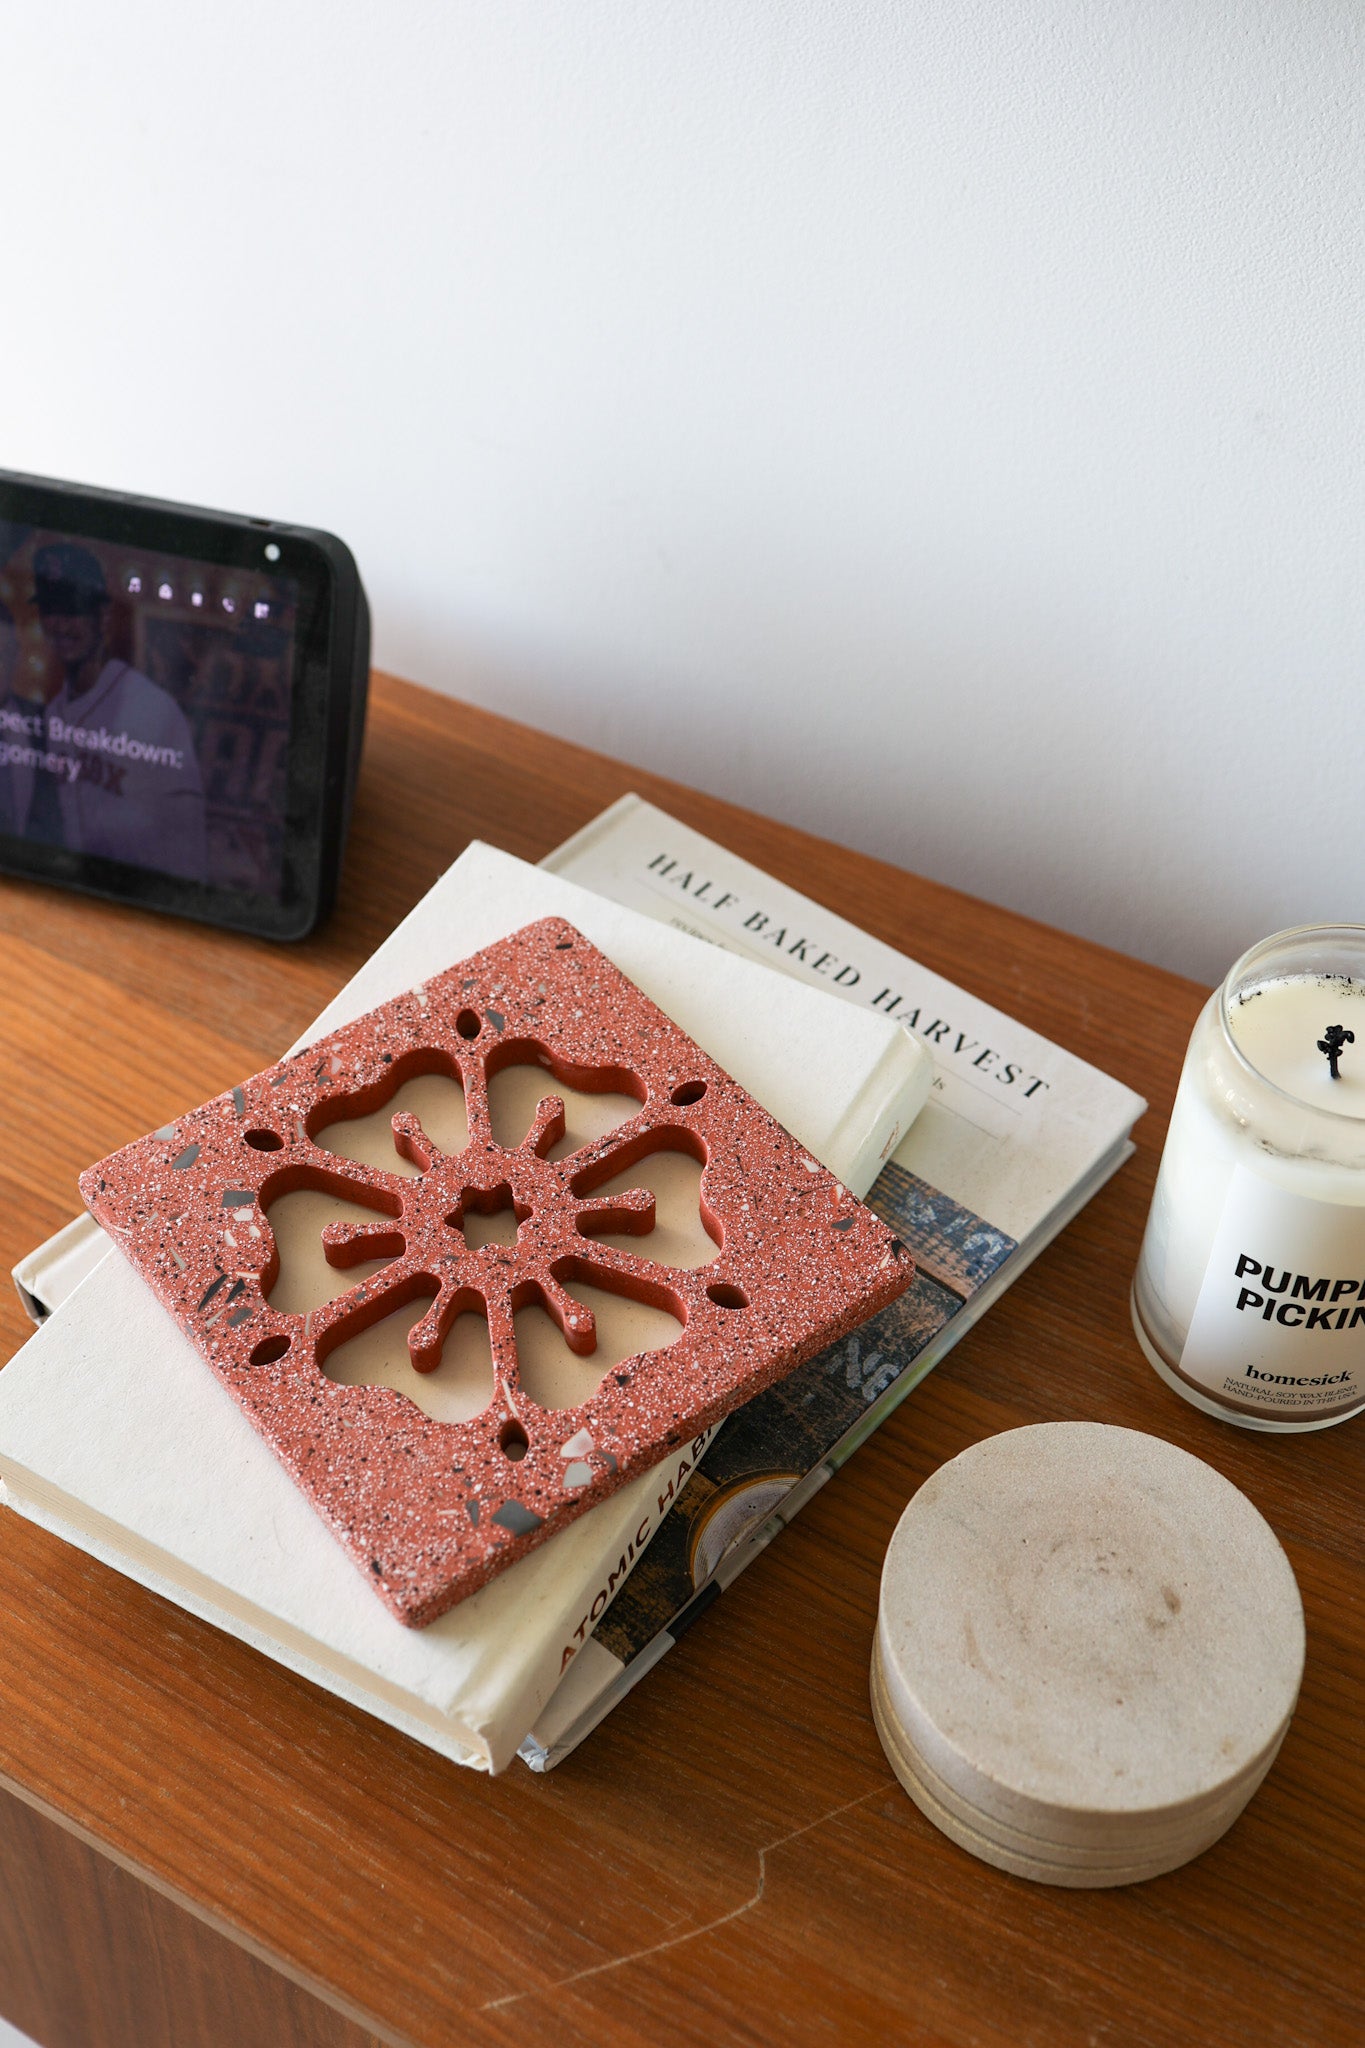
(1331, 1042)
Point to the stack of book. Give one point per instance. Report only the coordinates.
(1015, 1138)
(98, 1410)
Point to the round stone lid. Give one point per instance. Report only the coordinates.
(1078, 1619)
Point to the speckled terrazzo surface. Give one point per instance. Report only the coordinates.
(431, 1510)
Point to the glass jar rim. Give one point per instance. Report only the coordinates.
(1240, 971)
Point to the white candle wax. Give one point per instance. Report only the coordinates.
(1280, 1027)
(1253, 1265)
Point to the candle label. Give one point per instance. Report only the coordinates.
(1279, 1326)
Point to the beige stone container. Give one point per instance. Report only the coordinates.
(1088, 1651)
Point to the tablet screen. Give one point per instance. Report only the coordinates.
(145, 708)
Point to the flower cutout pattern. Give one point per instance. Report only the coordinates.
(428, 1231)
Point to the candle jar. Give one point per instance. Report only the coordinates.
(1249, 1298)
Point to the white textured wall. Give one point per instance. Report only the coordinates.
(937, 424)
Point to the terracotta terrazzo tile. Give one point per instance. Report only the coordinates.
(431, 1510)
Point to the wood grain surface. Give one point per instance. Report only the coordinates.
(729, 1860)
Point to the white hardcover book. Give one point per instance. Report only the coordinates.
(114, 1433)
(1013, 1122)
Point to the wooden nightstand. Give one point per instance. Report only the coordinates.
(199, 1848)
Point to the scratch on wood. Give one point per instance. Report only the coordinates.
(655, 1948)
